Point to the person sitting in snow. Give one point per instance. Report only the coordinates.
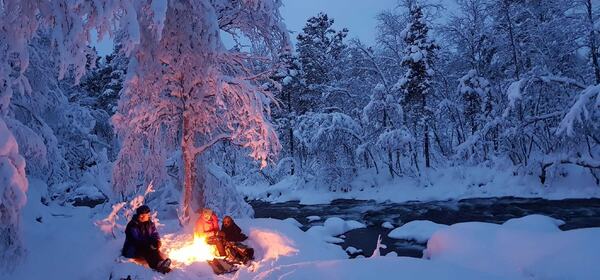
(232, 235)
(142, 241)
(208, 225)
(231, 232)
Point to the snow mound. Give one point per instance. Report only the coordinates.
(387, 225)
(332, 227)
(293, 222)
(534, 223)
(368, 268)
(418, 230)
(529, 247)
(280, 243)
(352, 250)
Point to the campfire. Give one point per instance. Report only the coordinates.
(188, 252)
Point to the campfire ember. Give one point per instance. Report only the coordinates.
(195, 250)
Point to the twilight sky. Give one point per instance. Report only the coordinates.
(356, 15)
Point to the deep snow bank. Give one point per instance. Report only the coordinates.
(441, 184)
(531, 247)
(63, 243)
(373, 268)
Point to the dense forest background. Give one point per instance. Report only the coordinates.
(502, 85)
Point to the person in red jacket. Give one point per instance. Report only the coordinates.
(208, 225)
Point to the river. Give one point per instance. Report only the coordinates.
(577, 213)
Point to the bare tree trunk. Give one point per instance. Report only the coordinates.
(425, 117)
(426, 145)
(390, 163)
(189, 170)
(374, 161)
(593, 47)
(512, 38)
(291, 132)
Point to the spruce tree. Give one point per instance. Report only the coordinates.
(416, 85)
(320, 48)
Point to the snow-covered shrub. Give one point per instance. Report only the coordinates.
(385, 141)
(61, 139)
(13, 187)
(330, 140)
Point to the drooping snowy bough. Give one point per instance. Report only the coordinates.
(68, 24)
(185, 91)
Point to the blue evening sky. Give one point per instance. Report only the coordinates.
(356, 15)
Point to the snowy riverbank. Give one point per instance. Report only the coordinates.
(451, 183)
(63, 243)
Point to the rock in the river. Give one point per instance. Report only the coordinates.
(313, 218)
(351, 250)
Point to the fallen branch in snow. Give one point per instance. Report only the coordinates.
(587, 163)
(377, 252)
(108, 224)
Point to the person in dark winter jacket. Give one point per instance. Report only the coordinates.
(232, 235)
(142, 241)
(232, 232)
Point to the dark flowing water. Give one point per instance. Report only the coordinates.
(577, 213)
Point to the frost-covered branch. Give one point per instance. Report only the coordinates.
(579, 111)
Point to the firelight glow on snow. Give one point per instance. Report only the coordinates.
(409, 139)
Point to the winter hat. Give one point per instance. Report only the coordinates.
(144, 209)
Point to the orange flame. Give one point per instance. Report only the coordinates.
(195, 251)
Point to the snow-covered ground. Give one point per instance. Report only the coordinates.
(532, 247)
(441, 184)
(64, 243)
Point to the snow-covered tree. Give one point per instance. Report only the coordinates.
(105, 81)
(384, 133)
(289, 85)
(70, 24)
(330, 140)
(475, 92)
(186, 91)
(320, 48)
(12, 197)
(59, 133)
(415, 86)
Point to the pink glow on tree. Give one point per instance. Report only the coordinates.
(187, 91)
